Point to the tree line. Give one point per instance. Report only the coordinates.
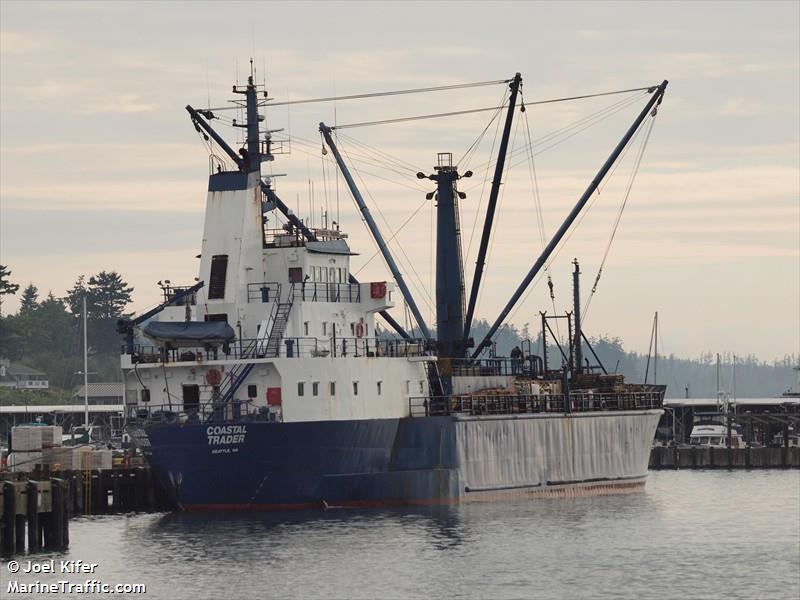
(697, 377)
(46, 332)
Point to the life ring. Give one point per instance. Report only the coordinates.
(360, 329)
(213, 377)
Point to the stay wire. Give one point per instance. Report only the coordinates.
(632, 178)
(492, 235)
(397, 231)
(562, 244)
(591, 119)
(483, 192)
(388, 226)
(483, 109)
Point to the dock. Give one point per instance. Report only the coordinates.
(696, 457)
(36, 508)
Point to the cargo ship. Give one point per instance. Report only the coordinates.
(268, 385)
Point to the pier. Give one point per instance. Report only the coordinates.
(35, 508)
(696, 457)
(35, 512)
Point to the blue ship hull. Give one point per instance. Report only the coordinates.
(262, 465)
(297, 465)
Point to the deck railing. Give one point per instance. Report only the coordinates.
(289, 347)
(503, 404)
(213, 411)
(309, 291)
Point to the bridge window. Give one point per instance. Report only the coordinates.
(315, 388)
(380, 386)
(301, 388)
(332, 388)
(305, 328)
(324, 328)
(252, 391)
(219, 270)
(355, 388)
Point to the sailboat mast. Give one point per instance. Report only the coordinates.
(85, 369)
(655, 352)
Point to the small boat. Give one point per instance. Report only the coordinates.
(712, 435)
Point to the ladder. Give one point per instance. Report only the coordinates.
(271, 349)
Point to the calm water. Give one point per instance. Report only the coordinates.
(691, 534)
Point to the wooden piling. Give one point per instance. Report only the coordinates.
(20, 534)
(9, 518)
(116, 492)
(34, 535)
(56, 518)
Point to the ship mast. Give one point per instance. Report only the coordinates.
(449, 264)
(252, 156)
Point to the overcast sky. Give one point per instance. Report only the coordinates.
(100, 167)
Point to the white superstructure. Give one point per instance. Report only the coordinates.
(308, 333)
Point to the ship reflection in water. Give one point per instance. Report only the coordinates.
(690, 534)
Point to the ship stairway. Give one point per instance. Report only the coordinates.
(281, 318)
(233, 381)
(258, 348)
(438, 402)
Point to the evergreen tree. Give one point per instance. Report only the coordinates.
(110, 294)
(74, 297)
(29, 301)
(107, 296)
(6, 287)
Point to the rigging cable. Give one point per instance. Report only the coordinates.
(472, 149)
(403, 183)
(484, 109)
(399, 229)
(592, 119)
(483, 192)
(634, 172)
(569, 234)
(538, 204)
(439, 88)
(371, 159)
(492, 234)
(581, 125)
(422, 287)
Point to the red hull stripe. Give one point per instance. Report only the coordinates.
(560, 491)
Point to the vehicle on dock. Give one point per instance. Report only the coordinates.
(266, 384)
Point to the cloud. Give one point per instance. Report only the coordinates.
(123, 103)
(15, 43)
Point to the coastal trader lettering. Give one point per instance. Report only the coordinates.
(223, 436)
